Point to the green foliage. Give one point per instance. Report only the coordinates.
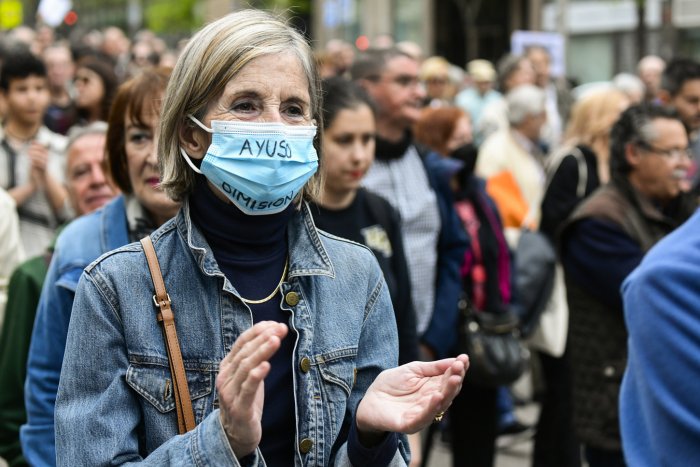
(297, 7)
(166, 16)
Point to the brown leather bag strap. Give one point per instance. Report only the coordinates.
(183, 403)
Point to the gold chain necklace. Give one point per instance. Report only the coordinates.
(279, 284)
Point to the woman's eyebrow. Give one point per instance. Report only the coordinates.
(297, 100)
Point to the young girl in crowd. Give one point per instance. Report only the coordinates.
(347, 210)
(95, 85)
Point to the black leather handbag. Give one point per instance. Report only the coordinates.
(492, 341)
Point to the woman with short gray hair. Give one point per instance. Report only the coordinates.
(283, 343)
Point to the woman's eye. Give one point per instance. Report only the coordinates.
(244, 107)
(139, 138)
(344, 140)
(295, 111)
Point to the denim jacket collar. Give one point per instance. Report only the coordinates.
(307, 255)
(113, 231)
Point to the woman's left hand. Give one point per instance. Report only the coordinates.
(407, 399)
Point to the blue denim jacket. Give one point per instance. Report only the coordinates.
(115, 404)
(80, 243)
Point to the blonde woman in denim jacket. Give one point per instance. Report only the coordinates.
(287, 334)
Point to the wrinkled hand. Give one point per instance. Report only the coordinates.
(240, 384)
(407, 398)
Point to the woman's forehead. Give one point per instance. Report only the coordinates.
(282, 72)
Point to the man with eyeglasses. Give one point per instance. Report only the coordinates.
(680, 90)
(604, 240)
(434, 240)
(432, 233)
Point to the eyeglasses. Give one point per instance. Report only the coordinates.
(404, 81)
(674, 154)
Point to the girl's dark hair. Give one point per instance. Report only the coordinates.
(109, 79)
(138, 97)
(340, 94)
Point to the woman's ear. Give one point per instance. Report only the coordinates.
(194, 140)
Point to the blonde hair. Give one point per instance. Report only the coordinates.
(434, 66)
(211, 59)
(593, 116)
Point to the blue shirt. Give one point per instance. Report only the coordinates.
(659, 403)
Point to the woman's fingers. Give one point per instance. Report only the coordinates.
(439, 367)
(258, 331)
(252, 384)
(257, 351)
(248, 342)
(452, 381)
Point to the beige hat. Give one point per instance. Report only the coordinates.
(481, 70)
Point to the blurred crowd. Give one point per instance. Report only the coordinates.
(461, 157)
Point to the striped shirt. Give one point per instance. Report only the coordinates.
(404, 183)
(37, 220)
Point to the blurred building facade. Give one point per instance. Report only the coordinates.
(605, 33)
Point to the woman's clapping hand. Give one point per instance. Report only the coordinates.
(240, 384)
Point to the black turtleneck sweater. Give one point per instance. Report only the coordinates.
(251, 252)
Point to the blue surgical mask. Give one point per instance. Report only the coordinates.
(260, 167)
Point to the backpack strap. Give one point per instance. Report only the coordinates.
(379, 208)
(582, 172)
(183, 403)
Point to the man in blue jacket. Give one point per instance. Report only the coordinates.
(659, 403)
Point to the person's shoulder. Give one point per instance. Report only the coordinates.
(56, 142)
(87, 225)
(495, 141)
(380, 210)
(6, 201)
(32, 270)
(678, 250)
(371, 198)
(665, 282)
(346, 253)
(167, 244)
(79, 229)
(565, 163)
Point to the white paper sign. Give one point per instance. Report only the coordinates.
(553, 42)
(52, 12)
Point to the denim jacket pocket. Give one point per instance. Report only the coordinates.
(153, 382)
(337, 370)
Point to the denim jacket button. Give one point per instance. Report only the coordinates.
(292, 298)
(305, 445)
(305, 364)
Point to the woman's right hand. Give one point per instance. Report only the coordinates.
(240, 384)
